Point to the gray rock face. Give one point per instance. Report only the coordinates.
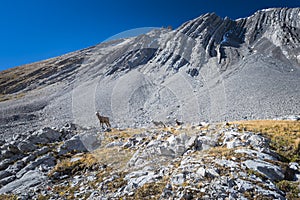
(30, 179)
(273, 172)
(47, 160)
(44, 136)
(26, 146)
(4, 174)
(71, 145)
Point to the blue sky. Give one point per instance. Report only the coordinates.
(33, 30)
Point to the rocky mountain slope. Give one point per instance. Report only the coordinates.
(217, 161)
(209, 69)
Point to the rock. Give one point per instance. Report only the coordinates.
(258, 142)
(226, 163)
(26, 146)
(167, 152)
(72, 145)
(178, 179)
(204, 124)
(68, 127)
(139, 178)
(114, 144)
(7, 154)
(243, 186)
(228, 136)
(28, 158)
(14, 149)
(30, 179)
(193, 72)
(205, 142)
(44, 136)
(201, 171)
(47, 160)
(4, 174)
(236, 142)
(212, 172)
(271, 171)
(16, 167)
(5, 163)
(294, 166)
(254, 153)
(90, 140)
(7, 180)
(41, 151)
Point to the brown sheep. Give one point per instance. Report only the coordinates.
(103, 120)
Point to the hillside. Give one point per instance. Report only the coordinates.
(209, 69)
(209, 110)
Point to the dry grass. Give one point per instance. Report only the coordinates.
(8, 197)
(284, 135)
(67, 166)
(219, 152)
(114, 157)
(290, 188)
(149, 191)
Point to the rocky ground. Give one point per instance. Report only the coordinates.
(209, 69)
(216, 161)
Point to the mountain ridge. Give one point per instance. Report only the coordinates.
(192, 73)
(174, 99)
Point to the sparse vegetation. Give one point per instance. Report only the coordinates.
(284, 136)
(150, 191)
(114, 157)
(291, 189)
(67, 167)
(8, 197)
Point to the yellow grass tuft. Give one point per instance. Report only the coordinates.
(67, 166)
(284, 135)
(114, 157)
(8, 197)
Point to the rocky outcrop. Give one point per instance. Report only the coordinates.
(35, 156)
(207, 162)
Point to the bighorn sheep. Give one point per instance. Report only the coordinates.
(178, 122)
(103, 120)
(159, 123)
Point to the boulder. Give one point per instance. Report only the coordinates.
(26, 146)
(4, 164)
(30, 179)
(205, 142)
(17, 166)
(271, 171)
(7, 180)
(44, 136)
(201, 171)
(4, 174)
(47, 160)
(7, 154)
(41, 151)
(74, 144)
(258, 142)
(13, 148)
(90, 140)
(254, 153)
